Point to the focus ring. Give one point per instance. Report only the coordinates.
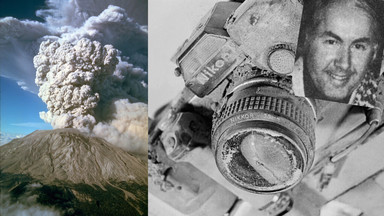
(270, 104)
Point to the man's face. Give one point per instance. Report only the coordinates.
(340, 51)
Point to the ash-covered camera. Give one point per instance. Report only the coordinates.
(262, 134)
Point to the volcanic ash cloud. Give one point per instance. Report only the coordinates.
(87, 86)
(128, 125)
(122, 24)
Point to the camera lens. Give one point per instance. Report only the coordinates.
(263, 138)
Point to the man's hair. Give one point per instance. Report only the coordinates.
(313, 12)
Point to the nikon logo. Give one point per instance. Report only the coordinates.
(242, 117)
(218, 64)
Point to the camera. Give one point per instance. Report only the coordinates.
(241, 55)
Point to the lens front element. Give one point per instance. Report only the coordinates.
(269, 156)
(264, 143)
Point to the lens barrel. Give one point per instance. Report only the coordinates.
(263, 137)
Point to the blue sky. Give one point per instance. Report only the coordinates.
(27, 11)
(19, 108)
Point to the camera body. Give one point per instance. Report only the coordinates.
(263, 34)
(241, 55)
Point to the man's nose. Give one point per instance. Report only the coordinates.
(343, 59)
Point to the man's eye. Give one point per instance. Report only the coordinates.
(330, 42)
(361, 47)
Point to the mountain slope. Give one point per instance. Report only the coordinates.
(75, 173)
(68, 155)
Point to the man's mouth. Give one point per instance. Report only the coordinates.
(339, 78)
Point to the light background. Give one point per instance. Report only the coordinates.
(171, 22)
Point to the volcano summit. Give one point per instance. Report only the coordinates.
(73, 173)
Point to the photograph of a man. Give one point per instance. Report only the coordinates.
(340, 50)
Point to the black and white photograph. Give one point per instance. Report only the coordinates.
(340, 51)
(230, 132)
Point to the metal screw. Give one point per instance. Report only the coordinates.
(177, 71)
(254, 19)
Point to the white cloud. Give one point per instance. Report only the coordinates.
(39, 125)
(8, 137)
(127, 127)
(26, 205)
(19, 42)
